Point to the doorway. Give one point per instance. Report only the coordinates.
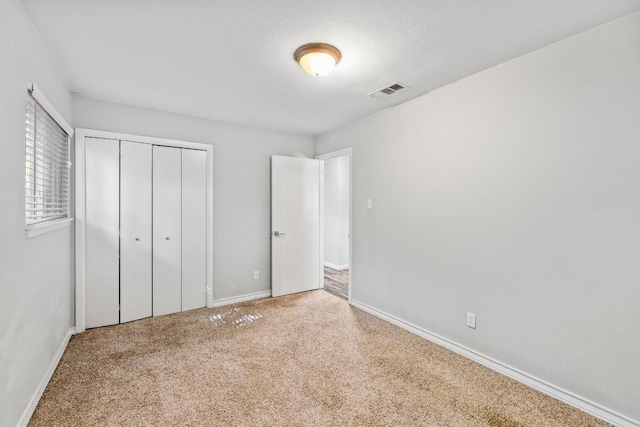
(335, 223)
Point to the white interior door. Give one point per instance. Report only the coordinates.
(194, 229)
(135, 231)
(102, 222)
(167, 230)
(295, 225)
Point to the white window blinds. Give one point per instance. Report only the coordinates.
(46, 166)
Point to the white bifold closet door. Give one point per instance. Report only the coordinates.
(146, 230)
(135, 231)
(194, 229)
(102, 226)
(167, 230)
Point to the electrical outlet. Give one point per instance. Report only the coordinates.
(256, 275)
(471, 320)
(369, 204)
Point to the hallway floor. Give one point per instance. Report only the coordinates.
(336, 282)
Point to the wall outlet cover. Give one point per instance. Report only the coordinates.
(471, 320)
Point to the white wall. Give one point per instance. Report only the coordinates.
(35, 274)
(514, 194)
(242, 200)
(336, 212)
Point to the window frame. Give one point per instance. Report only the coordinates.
(39, 228)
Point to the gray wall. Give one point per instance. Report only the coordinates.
(336, 212)
(514, 194)
(35, 274)
(242, 199)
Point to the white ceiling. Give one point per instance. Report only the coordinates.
(232, 60)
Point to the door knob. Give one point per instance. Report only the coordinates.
(137, 239)
(166, 238)
(279, 234)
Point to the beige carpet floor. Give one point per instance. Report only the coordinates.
(302, 360)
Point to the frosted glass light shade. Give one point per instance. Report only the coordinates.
(317, 59)
(317, 63)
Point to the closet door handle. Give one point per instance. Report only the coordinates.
(166, 238)
(137, 239)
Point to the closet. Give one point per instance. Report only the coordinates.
(145, 239)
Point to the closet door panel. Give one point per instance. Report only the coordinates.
(194, 229)
(135, 226)
(102, 252)
(167, 219)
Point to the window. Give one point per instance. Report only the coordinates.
(46, 164)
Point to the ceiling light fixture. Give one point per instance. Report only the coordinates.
(317, 59)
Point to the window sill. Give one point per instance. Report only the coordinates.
(47, 227)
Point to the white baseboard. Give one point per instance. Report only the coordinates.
(241, 298)
(559, 393)
(28, 412)
(336, 267)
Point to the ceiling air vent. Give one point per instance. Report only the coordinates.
(387, 91)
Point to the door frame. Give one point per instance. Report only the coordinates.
(80, 208)
(332, 155)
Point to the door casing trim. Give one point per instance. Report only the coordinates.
(332, 155)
